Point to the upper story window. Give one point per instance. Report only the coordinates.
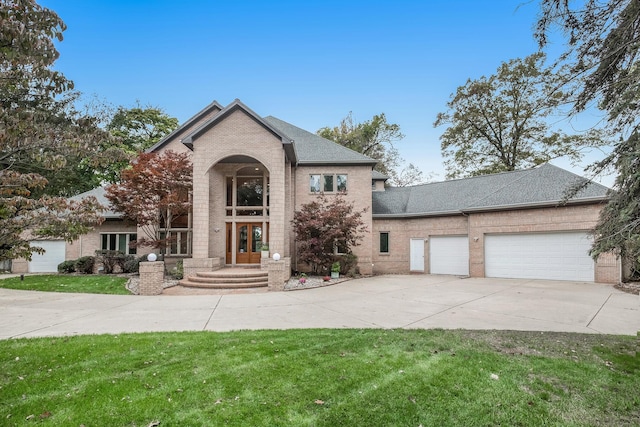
(328, 183)
(248, 193)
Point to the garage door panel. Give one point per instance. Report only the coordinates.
(553, 256)
(449, 255)
(47, 262)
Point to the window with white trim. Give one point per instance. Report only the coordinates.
(118, 242)
(328, 183)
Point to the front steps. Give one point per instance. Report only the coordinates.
(228, 278)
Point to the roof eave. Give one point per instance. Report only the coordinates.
(342, 163)
(547, 203)
(416, 215)
(204, 111)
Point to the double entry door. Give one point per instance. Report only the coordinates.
(249, 236)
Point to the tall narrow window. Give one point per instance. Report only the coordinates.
(384, 242)
(341, 181)
(328, 184)
(314, 183)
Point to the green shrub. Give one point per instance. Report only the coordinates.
(85, 264)
(178, 271)
(110, 260)
(67, 266)
(132, 264)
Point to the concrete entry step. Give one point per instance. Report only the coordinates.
(228, 278)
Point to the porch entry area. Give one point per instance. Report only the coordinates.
(249, 237)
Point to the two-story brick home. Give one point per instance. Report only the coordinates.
(251, 173)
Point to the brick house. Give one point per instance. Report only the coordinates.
(251, 173)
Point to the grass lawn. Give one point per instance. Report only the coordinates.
(322, 378)
(90, 283)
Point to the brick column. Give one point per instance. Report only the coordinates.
(151, 278)
(279, 273)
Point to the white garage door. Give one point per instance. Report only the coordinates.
(552, 256)
(449, 255)
(47, 262)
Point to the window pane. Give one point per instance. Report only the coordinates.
(105, 240)
(122, 243)
(256, 239)
(249, 192)
(328, 183)
(132, 238)
(184, 242)
(341, 181)
(314, 183)
(229, 191)
(384, 242)
(112, 242)
(174, 242)
(242, 239)
(181, 221)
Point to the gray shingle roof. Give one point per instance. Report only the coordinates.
(378, 175)
(544, 185)
(313, 149)
(99, 193)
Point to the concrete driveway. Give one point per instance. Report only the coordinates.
(396, 301)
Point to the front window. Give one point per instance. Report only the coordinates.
(118, 242)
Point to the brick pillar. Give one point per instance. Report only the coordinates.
(151, 278)
(279, 273)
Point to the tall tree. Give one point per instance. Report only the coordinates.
(39, 131)
(323, 225)
(603, 42)
(152, 193)
(137, 129)
(500, 123)
(375, 138)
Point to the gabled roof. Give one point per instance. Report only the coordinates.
(235, 106)
(100, 194)
(544, 185)
(315, 150)
(206, 110)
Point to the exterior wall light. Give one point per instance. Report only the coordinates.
(276, 256)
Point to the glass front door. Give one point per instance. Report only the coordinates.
(248, 239)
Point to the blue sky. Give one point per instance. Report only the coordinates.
(306, 62)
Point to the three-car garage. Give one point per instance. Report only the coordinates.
(549, 256)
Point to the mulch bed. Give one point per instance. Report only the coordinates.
(629, 287)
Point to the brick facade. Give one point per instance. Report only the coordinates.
(476, 226)
(358, 192)
(224, 141)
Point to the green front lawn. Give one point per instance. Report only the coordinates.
(90, 283)
(322, 378)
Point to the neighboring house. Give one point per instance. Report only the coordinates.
(251, 173)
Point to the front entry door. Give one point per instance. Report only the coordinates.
(248, 238)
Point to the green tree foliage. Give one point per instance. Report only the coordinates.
(153, 192)
(323, 227)
(603, 42)
(375, 138)
(500, 123)
(137, 129)
(41, 133)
